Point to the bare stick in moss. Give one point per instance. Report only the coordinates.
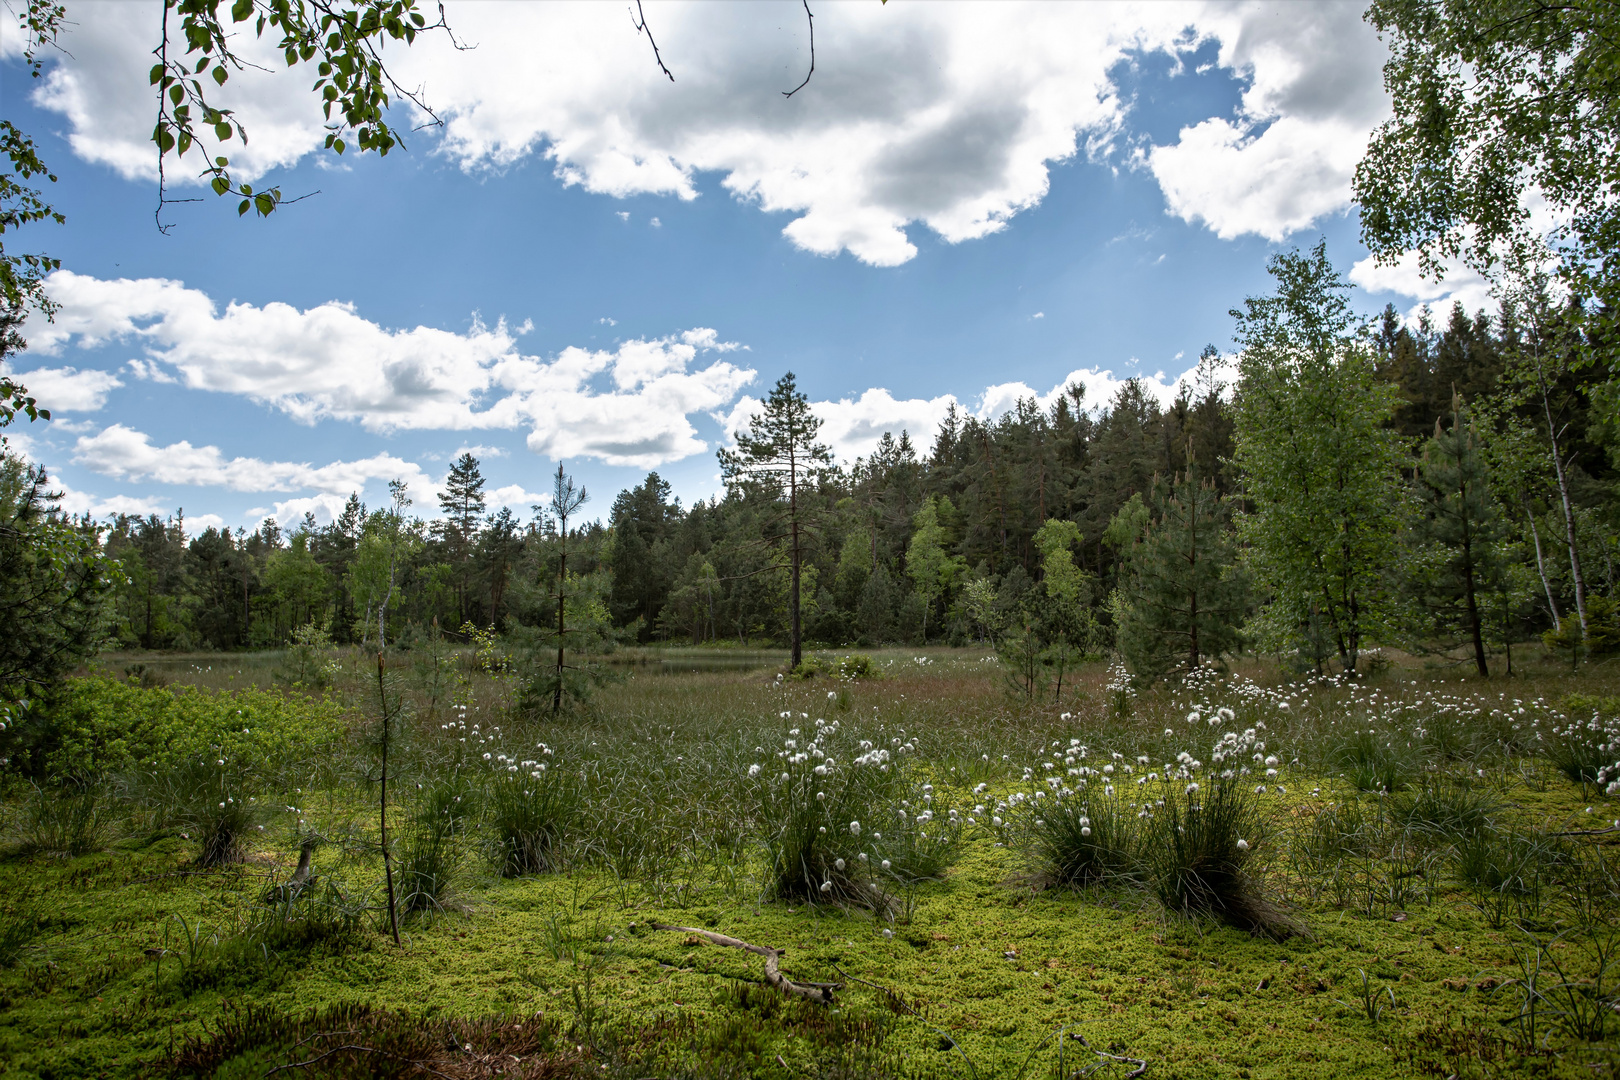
(388, 864)
(818, 992)
(1140, 1063)
(289, 891)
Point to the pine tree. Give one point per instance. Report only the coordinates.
(779, 452)
(1460, 521)
(1183, 596)
(566, 499)
(462, 503)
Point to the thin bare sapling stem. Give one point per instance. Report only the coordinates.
(388, 862)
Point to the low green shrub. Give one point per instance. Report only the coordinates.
(853, 666)
(809, 668)
(311, 660)
(96, 726)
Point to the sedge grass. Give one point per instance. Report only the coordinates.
(997, 968)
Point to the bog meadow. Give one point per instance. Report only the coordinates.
(1258, 722)
(1307, 766)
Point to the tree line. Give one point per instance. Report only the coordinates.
(1341, 483)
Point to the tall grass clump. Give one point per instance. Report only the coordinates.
(1203, 836)
(208, 799)
(1447, 810)
(431, 853)
(1587, 750)
(1508, 870)
(530, 807)
(1071, 825)
(68, 819)
(1342, 831)
(1371, 762)
(1198, 854)
(1078, 840)
(843, 820)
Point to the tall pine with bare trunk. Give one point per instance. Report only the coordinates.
(778, 454)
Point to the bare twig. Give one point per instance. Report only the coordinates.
(812, 20)
(820, 992)
(1140, 1063)
(357, 1049)
(641, 28)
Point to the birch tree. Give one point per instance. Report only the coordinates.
(1320, 466)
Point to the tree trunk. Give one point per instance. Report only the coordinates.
(1569, 514)
(382, 609)
(382, 807)
(562, 581)
(1192, 573)
(793, 592)
(1473, 608)
(1541, 569)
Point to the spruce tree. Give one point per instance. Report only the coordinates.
(875, 615)
(1183, 595)
(462, 504)
(1461, 525)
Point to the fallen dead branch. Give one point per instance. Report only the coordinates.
(810, 991)
(1140, 1063)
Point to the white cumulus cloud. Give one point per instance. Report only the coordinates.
(1460, 285)
(67, 389)
(514, 496)
(947, 116)
(1100, 388)
(625, 406)
(126, 454)
(1288, 157)
(851, 427)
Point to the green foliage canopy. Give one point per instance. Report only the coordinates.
(1320, 464)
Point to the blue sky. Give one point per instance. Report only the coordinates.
(590, 263)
